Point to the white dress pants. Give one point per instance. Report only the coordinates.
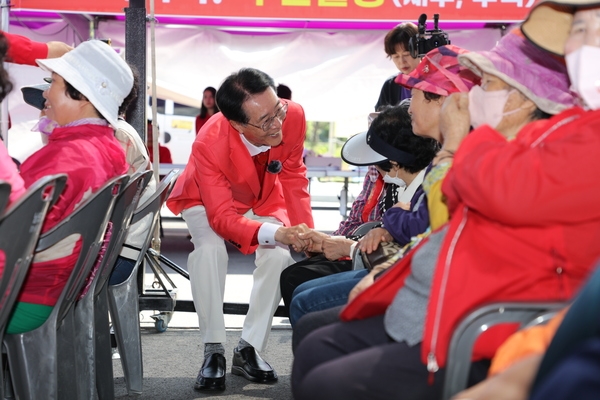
(207, 266)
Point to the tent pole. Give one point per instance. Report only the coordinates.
(156, 155)
(5, 5)
(135, 55)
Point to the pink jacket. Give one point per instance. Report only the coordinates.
(221, 176)
(89, 155)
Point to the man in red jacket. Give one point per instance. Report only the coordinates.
(246, 183)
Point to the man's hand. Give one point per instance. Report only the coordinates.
(57, 49)
(371, 240)
(455, 122)
(315, 240)
(291, 236)
(335, 248)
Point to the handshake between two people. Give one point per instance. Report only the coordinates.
(312, 242)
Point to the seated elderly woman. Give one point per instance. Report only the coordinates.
(431, 82)
(87, 86)
(520, 228)
(569, 368)
(401, 159)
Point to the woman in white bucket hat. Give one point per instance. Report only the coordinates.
(88, 85)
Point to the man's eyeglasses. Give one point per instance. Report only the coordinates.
(268, 124)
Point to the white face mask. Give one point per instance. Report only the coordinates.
(583, 69)
(487, 108)
(395, 180)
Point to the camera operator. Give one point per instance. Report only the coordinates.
(396, 44)
(405, 45)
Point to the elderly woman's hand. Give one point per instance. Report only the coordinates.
(336, 247)
(373, 238)
(455, 122)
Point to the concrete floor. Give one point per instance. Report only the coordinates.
(172, 359)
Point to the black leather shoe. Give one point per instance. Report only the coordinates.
(212, 373)
(247, 363)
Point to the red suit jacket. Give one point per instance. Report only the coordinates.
(221, 176)
(22, 50)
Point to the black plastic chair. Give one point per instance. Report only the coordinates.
(101, 363)
(20, 227)
(4, 194)
(123, 298)
(90, 336)
(33, 356)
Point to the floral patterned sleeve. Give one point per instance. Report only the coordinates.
(354, 220)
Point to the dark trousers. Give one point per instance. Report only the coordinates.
(306, 270)
(311, 322)
(358, 360)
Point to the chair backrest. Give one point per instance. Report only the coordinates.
(4, 194)
(121, 215)
(152, 207)
(466, 333)
(364, 228)
(89, 220)
(20, 227)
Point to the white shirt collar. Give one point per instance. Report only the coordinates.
(409, 191)
(254, 150)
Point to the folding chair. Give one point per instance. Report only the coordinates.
(123, 298)
(90, 337)
(32, 356)
(477, 322)
(20, 227)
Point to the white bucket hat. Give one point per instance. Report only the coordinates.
(97, 71)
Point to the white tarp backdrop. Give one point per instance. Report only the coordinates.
(334, 76)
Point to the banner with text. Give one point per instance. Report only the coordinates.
(335, 10)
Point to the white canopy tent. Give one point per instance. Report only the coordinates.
(335, 76)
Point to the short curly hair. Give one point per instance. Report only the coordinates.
(393, 126)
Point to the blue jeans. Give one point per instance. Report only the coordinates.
(121, 271)
(323, 293)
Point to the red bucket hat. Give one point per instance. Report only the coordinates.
(440, 72)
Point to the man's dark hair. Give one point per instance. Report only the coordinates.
(239, 87)
(284, 92)
(5, 84)
(393, 126)
(401, 34)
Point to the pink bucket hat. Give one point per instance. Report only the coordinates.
(440, 72)
(539, 75)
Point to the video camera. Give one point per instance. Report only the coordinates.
(427, 40)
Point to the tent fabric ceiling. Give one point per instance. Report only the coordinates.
(334, 76)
